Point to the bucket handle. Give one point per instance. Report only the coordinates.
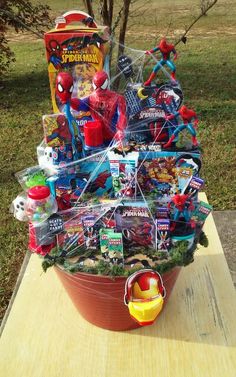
(75, 16)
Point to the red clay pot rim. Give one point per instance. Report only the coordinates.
(106, 277)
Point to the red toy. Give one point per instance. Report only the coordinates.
(64, 87)
(105, 106)
(165, 49)
(144, 294)
(183, 206)
(187, 116)
(109, 107)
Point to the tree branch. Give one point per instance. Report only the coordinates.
(13, 17)
(89, 7)
(204, 10)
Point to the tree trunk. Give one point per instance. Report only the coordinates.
(89, 6)
(123, 26)
(107, 12)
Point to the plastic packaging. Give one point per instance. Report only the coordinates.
(123, 172)
(40, 204)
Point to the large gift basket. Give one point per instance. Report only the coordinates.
(113, 202)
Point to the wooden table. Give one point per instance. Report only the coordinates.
(45, 336)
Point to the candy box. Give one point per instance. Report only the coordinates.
(104, 241)
(163, 234)
(79, 45)
(115, 248)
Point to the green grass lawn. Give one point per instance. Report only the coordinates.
(206, 69)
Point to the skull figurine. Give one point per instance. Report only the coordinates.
(18, 207)
(46, 160)
(48, 155)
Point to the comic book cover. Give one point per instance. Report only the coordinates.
(73, 235)
(136, 225)
(163, 174)
(91, 231)
(56, 130)
(147, 108)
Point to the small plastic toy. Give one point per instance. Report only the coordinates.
(183, 206)
(144, 296)
(165, 50)
(93, 135)
(64, 88)
(188, 117)
(125, 66)
(40, 204)
(18, 207)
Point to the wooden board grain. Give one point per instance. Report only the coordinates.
(195, 335)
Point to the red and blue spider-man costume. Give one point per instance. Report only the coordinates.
(188, 116)
(165, 49)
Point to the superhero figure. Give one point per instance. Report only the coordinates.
(64, 89)
(183, 206)
(54, 49)
(165, 50)
(106, 106)
(187, 116)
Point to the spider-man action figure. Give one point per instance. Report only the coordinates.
(109, 107)
(182, 205)
(64, 88)
(165, 49)
(187, 116)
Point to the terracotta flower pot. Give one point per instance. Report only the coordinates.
(100, 299)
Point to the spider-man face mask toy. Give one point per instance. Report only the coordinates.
(100, 80)
(64, 87)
